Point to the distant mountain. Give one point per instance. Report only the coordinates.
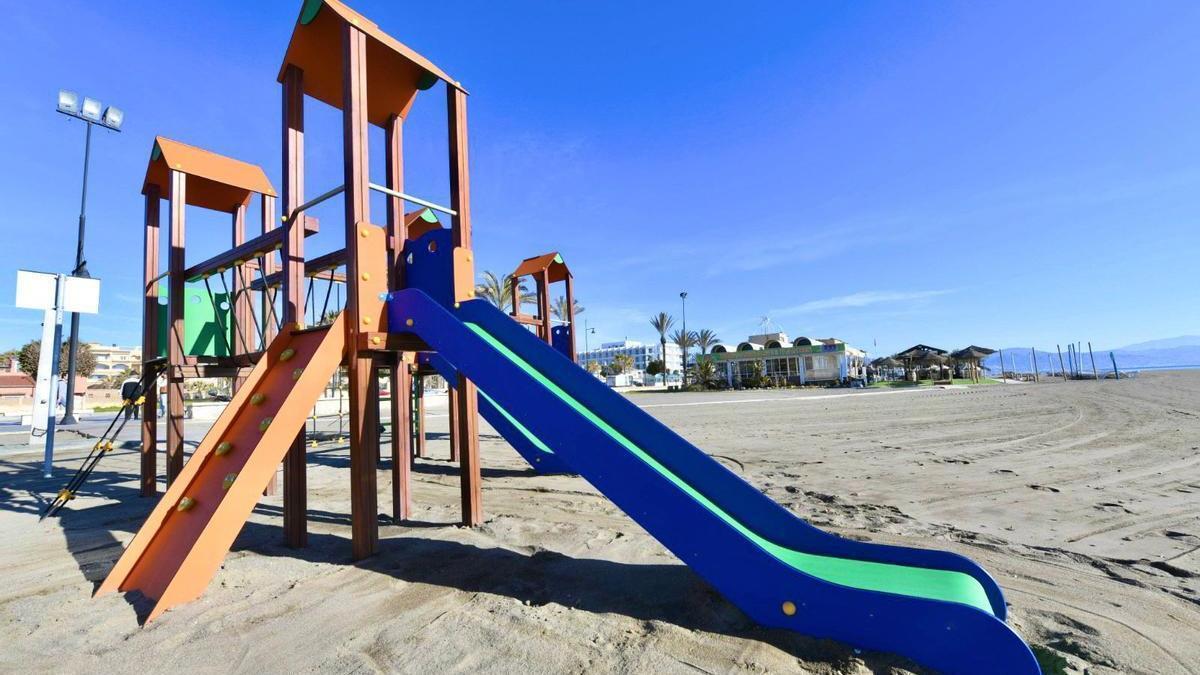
(1165, 343)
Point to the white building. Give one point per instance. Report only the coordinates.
(114, 360)
(642, 354)
(774, 356)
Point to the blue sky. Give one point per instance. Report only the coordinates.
(891, 173)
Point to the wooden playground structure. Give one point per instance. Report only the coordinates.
(339, 57)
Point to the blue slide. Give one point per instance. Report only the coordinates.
(938, 608)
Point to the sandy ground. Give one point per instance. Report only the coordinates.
(1080, 498)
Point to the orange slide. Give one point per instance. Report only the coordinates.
(177, 551)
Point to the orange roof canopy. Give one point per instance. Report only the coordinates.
(394, 72)
(552, 262)
(214, 181)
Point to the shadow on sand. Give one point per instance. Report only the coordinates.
(669, 593)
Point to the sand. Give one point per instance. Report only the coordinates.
(1080, 498)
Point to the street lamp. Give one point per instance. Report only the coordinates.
(683, 347)
(586, 332)
(92, 112)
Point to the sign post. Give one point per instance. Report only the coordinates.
(54, 294)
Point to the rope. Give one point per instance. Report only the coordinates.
(308, 300)
(233, 307)
(325, 305)
(102, 446)
(262, 264)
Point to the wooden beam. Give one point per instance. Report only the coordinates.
(295, 478)
(364, 408)
(460, 182)
(320, 267)
(241, 334)
(570, 317)
(543, 293)
(149, 463)
(419, 424)
(468, 434)
(175, 335)
(263, 245)
(453, 410)
(465, 430)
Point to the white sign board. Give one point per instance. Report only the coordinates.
(36, 290)
(81, 295)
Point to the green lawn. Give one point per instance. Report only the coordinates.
(900, 384)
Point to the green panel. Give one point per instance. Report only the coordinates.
(201, 330)
(866, 575)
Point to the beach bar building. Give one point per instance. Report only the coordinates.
(802, 360)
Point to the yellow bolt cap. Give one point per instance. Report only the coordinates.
(228, 482)
(789, 608)
(257, 399)
(223, 448)
(287, 354)
(297, 373)
(262, 426)
(185, 504)
(408, 322)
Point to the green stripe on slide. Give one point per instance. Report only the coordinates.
(537, 442)
(917, 582)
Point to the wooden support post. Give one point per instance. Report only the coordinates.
(295, 479)
(1116, 372)
(453, 410)
(543, 288)
(1061, 366)
(1033, 362)
(419, 426)
(468, 432)
(466, 423)
(360, 309)
(241, 333)
(570, 317)
(175, 336)
(150, 314)
(401, 380)
(1092, 358)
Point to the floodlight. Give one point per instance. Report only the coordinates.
(113, 117)
(68, 102)
(91, 109)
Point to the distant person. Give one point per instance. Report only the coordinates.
(162, 395)
(62, 392)
(130, 390)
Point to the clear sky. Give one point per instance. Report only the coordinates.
(891, 173)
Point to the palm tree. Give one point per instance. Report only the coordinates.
(685, 341)
(559, 308)
(706, 339)
(621, 363)
(662, 323)
(498, 291)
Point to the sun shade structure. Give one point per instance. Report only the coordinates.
(215, 181)
(395, 73)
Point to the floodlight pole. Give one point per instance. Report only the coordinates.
(73, 350)
(683, 347)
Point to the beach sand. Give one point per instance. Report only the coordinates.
(1080, 498)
